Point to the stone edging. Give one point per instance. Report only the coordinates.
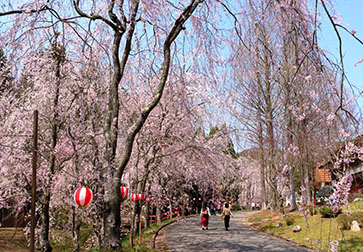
(248, 225)
(157, 232)
(167, 224)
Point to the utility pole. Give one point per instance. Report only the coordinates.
(34, 174)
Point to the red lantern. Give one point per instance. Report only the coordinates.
(83, 196)
(152, 198)
(181, 198)
(134, 197)
(140, 196)
(167, 199)
(160, 200)
(174, 198)
(124, 191)
(147, 200)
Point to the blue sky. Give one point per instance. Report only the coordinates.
(350, 12)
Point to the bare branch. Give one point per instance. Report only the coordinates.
(340, 52)
(6, 13)
(92, 16)
(235, 24)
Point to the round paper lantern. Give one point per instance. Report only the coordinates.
(152, 198)
(174, 198)
(181, 198)
(200, 199)
(124, 191)
(147, 200)
(134, 197)
(140, 196)
(83, 196)
(160, 200)
(167, 199)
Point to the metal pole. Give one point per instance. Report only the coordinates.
(140, 229)
(34, 174)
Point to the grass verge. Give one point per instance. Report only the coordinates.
(13, 240)
(317, 232)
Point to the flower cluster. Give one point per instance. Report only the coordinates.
(334, 246)
(340, 195)
(348, 155)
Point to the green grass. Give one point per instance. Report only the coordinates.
(255, 219)
(352, 244)
(12, 239)
(356, 206)
(61, 240)
(322, 229)
(146, 238)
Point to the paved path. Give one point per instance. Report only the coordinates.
(187, 236)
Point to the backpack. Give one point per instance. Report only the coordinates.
(205, 213)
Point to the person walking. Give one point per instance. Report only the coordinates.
(204, 214)
(212, 208)
(219, 208)
(226, 215)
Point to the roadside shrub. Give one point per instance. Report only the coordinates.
(289, 220)
(269, 226)
(236, 208)
(345, 221)
(313, 210)
(327, 212)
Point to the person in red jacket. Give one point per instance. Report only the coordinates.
(204, 216)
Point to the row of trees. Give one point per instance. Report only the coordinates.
(172, 155)
(288, 97)
(95, 74)
(127, 90)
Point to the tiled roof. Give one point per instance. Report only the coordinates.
(322, 175)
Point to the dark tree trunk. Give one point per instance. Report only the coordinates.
(147, 215)
(57, 54)
(158, 213)
(76, 226)
(112, 219)
(44, 223)
(292, 188)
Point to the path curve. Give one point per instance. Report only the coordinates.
(186, 235)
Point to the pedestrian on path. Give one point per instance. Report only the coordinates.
(219, 208)
(226, 215)
(204, 214)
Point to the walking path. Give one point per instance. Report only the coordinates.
(187, 236)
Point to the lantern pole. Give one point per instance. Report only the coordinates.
(140, 230)
(34, 174)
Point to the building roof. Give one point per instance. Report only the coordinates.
(322, 175)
